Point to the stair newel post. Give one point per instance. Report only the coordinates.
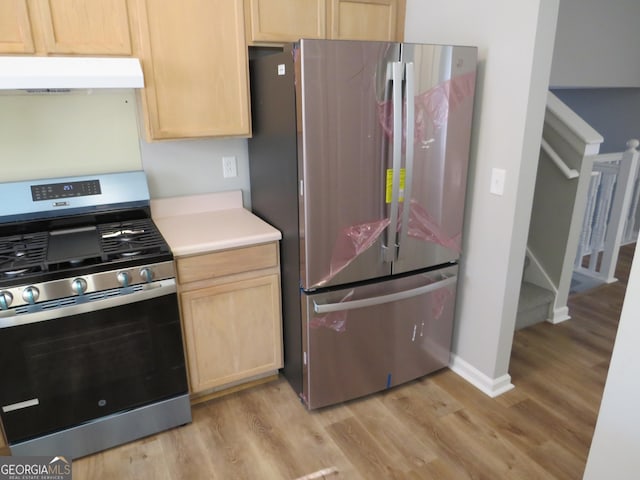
(630, 231)
(619, 209)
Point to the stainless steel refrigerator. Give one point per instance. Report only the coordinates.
(359, 156)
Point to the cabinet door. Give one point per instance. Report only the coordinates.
(82, 27)
(15, 27)
(367, 19)
(3, 444)
(284, 20)
(194, 59)
(233, 331)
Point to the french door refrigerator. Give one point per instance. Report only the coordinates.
(359, 156)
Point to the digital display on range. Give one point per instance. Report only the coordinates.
(52, 191)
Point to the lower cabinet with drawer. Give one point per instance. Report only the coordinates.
(231, 312)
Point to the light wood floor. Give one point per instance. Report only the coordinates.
(439, 427)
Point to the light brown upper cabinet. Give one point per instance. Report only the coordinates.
(281, 21)
(15, 27)
(195, 64)
(63, 27)
(367, 19)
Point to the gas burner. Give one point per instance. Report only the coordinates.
(126, 235)
(22, 254)
(14, 273)
(134, 238)
(13, 262)
(14, 266)
(130, 254)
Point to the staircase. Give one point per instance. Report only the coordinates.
(534, 306)
(585, 206)
(565, 163)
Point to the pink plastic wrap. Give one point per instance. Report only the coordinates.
(439, 300)
(431, 107)
(356, 239)
(335, 320)
(423, 227)
(431, 113)
(352, 242)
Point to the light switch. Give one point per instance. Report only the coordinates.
(497, 181)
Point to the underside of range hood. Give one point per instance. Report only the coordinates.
(29, 73)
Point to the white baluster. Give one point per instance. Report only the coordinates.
(605, 195)
(587, 224)
(630, 230)
(621, 203)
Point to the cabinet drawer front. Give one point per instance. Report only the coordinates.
(227, 262)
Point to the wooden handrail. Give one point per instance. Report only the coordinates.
(569, 173)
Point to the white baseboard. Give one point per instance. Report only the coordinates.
(560, 315)
(487, 385)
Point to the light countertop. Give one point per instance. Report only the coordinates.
(205, 223)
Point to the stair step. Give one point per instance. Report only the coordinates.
(534, 305)
(532, 296)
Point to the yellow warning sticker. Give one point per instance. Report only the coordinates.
(389, 189)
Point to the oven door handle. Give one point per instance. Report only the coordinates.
(8, 318)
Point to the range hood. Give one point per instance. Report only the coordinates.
(34, 73)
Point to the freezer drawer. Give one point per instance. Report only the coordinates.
(361, 340)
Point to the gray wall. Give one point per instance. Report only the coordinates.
(191, 167)
(596, 66)
(614, 112)
(597, 44)
(96, 131)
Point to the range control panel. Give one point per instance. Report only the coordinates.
(50, 197)
(52, 191)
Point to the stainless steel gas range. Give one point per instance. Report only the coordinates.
(91, 352)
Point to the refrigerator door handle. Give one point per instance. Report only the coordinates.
(408, 151)
(393, 297)
(397, 73)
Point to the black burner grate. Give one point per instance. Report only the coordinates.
(42, 256)
(20, 254)
(131, 238)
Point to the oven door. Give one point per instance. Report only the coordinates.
(103, 354)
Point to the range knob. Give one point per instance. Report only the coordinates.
(30, 295)
(146, 274)
(79, 286)
(5, 300)
(124, 278)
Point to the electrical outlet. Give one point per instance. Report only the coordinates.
(229, 167)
